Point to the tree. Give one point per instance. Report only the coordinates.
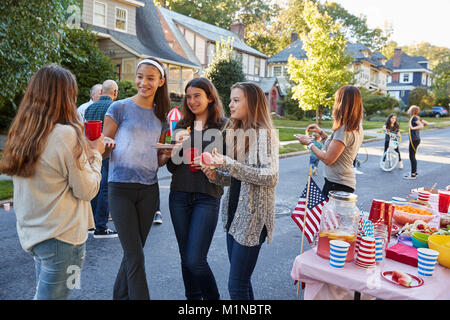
(224, 71)
(441, 84)
(30, 34)
(374, 102)
(325, 70)
(420, 97)
(88, 63)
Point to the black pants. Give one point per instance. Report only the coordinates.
(132, 208)
(332, 186)
(413, 145)
(386, 146)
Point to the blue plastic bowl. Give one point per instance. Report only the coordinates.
(419, 243)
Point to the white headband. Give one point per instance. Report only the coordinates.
(153, 63)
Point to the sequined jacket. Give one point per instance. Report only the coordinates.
(259, 177)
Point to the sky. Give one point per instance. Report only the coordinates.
(413, 21)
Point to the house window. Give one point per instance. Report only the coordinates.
(100, 13)
(121, 19)
(277, 71)
(128, 69)
(406, 77)
(257, 66)
(424, 79)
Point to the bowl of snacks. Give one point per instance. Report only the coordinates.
(411, 213)
(441, 243)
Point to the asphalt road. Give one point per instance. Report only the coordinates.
(271, 279)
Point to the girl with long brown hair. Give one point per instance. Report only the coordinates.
(56, 172)
(251, 169)
(341, 147)
(194, 201)
(137, 124)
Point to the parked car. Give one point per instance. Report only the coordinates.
(436, 111)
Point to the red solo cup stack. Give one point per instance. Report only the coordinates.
(424, 196)
(366, 253)
(382, 212)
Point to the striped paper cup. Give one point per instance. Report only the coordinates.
(424, 196)
(338, 253)
(427, 260)
(379, 249)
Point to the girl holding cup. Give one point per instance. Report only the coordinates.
(56, 172)
(194, 201)
(136, 123)
(250, 168)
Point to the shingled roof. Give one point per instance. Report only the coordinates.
(295, 48)
(206, 30)
(149, 39)
(408, 62)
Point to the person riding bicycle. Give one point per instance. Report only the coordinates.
(392, 126)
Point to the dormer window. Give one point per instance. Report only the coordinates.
(121, 19)
(100, 13)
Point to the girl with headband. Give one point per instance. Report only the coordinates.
(136, 123)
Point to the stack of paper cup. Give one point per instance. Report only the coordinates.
(427, 261)
(424, 196)
(338, 253)
(379, 249)
(396, 201)
(366, 253)
(358, 241)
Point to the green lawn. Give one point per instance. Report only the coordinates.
(6, 189)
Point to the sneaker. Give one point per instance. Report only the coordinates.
(103, 234)
(315, 171)
(158, 218)
(410, 177)
(357, 171)
(91, 231)
(400, 165)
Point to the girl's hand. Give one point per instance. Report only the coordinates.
(209, 173)
(98, 144)
(304, 140)
(313, 128)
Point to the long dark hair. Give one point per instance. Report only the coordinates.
(162, 98)
(393, 128)
(50, 99)
(215, 107)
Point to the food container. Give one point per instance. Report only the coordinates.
(339, 221)
(420, 240)
(404, 217)
(441, 244)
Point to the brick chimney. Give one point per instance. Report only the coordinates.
(397, 58)
(294, 36)
(238, 28)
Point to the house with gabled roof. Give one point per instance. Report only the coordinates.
(126, 33)
(196, 40)
(409, 72)
(370, 67)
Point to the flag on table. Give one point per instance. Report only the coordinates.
(316, 201)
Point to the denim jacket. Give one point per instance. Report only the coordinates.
(259, 177)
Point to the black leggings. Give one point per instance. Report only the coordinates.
(332, 186)
(132, 208)
(412, 155)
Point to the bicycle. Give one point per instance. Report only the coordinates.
(390, 158)
(362, 156)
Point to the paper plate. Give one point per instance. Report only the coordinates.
(163, 146)
(416, 281)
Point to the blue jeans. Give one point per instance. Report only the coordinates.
(100, 202)
(194, 217)
(242, 263)
(58, 268)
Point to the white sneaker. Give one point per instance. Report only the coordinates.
(357, 171)
(158, 218)
(400, 165)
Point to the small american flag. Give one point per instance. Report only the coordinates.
(316, 202)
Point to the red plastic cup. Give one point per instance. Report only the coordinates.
(190, 154)
(444, 201)
(376, 211)
(93, 129)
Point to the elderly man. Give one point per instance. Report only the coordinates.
(97, 111)
(95, 93)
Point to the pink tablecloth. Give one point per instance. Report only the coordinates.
(325, 282)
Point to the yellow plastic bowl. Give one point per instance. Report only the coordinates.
(441, 243)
